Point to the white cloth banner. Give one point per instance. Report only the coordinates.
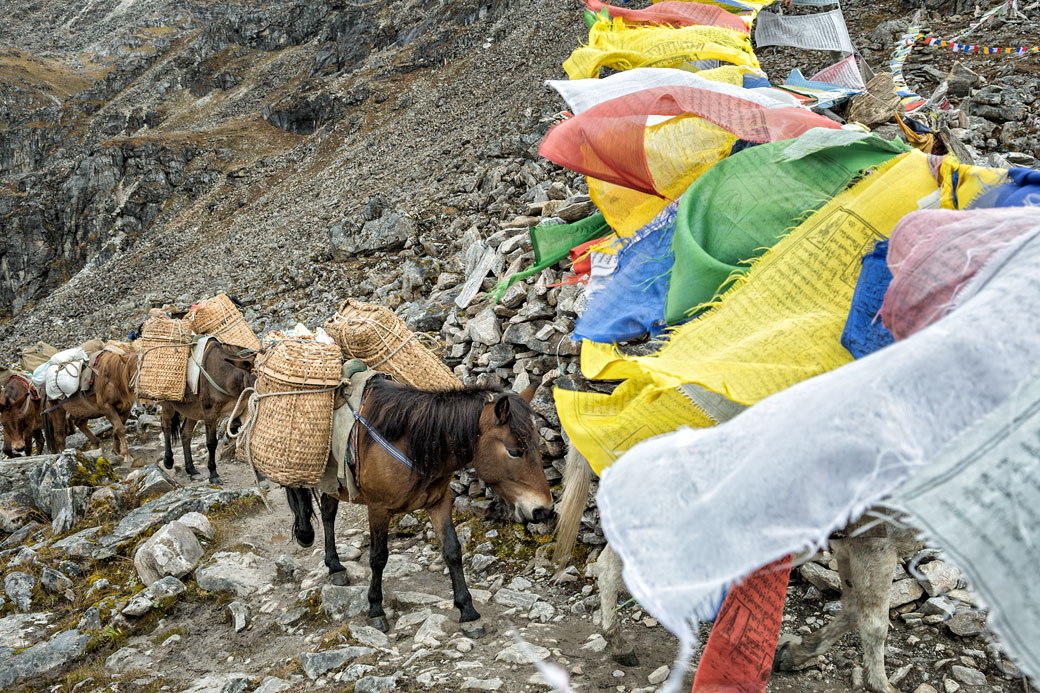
(820, 32)
(693, 511)
(583, 94)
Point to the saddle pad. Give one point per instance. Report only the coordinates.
(195, 364)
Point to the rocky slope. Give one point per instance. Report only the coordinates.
(296, 153)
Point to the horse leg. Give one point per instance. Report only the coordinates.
(337, 573)
(872, 561)
(608, 581)
(93, 442)
(300, 504)
(793, 652)
(378, 527)
(440, 516)
(168, 422)
(211, 448)
(187, 431)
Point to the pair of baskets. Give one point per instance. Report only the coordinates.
(221, 318)
(384, 343)
(164, 345)
(291, 430)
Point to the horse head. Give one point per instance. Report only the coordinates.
(508, 459)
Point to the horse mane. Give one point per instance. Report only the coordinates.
(440, 428)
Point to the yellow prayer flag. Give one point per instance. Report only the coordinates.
(613, 44)
(779, 324)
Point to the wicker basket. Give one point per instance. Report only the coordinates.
(379, 338)
(165, 345)
(292, 432)
(219, 317)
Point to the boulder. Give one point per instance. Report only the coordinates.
(315, 664)
(173, 550)
(18, 586)
(43, 657)
(342, 603)
(240, 573)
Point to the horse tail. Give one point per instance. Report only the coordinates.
(577, 478)
(300, 503)
(48, 427)
(175, 427)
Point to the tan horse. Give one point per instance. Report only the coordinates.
(111, 396)
(437, 433)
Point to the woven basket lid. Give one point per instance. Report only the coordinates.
(162, 328)
(303, 362)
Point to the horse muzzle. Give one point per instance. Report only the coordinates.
(531, 508)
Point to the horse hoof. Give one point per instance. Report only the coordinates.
(626, 659)
(340, 579)
(473, 631)
(379, 623)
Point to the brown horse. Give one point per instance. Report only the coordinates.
(21, 414)
(111, 396)
(226, 372)
(437, 434)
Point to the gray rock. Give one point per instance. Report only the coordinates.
(239, 616)
(342, 603)
(315, 664)
(241, 573)
(43, 657)
(388, 231)
(55, 581)
(18, 586)
(91, 619)
(367, 635)
(128, 659)
(512, 598)
(272, 684)
(81, 544)
(967, 623)
(968, 676)
(473, 684)
(939, 577)
(19, 631)
(904, 592)
(820, 577)
(433, 631)
(375, 684)
(163, 510)
(220, 683)
(68, 506)
(290, 618)
(520, 653)
(287, 568)
(153, 482)
(940, 606)
(173, 550)
(199, 524)
(484, 328)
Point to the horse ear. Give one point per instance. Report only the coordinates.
(528, 394)
(502, 410)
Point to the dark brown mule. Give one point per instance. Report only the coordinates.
(111, 396)
(440, 433)
(232, 372)
(21, 414)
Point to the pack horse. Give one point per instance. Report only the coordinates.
(426, 436)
